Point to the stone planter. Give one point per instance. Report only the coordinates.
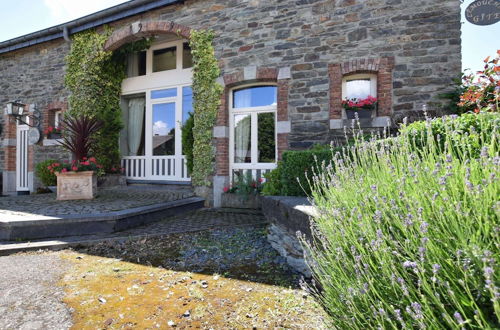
(236, 201)
(112, 180)
(362, 113)
(76, 185)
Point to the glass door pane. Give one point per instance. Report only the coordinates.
(266, 142)
(163, 129)
(242, 138)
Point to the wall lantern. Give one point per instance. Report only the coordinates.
(17, 110)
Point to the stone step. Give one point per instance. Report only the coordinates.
(36, 227)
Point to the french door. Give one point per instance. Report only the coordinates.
(156, 101)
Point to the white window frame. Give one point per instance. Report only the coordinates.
(151, 81)
(253, 111)
(360, 76)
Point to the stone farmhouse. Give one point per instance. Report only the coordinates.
(286, 66)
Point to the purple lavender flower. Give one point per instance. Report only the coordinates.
(459, 318)
(423, 227)
(409, 264)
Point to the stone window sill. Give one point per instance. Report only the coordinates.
(382, 121)
(51, 142)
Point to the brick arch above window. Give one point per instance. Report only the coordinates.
(139, 30)
(382, 67)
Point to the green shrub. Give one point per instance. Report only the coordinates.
(464, 133)
(298, 166)
(407, 239)
(273, 185)
(188, 142)
(44, 174)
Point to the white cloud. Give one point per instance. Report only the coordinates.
(160, 128)
(67, 10)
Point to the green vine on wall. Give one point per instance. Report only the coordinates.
(94, 78)
(206, 94)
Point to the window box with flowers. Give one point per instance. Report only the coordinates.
(243, 193)
(53, 132)
(362, 107)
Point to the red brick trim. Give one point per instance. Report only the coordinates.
(147, 29)
(382, 67)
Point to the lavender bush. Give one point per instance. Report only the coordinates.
(407, 236)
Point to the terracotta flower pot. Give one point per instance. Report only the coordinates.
(76, 185)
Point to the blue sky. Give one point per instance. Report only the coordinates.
(20, 17)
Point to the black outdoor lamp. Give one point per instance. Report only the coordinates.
(17, 110)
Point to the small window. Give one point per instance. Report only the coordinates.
(57, 118)
(187, 58)
(165, 59)
(164, 129)
(187, 102)
(259, 96)
(359, 86)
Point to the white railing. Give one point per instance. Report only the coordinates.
(171, 168)
(256, 171)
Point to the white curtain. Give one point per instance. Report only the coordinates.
(242, 132)
(133, 64)
(135, 124)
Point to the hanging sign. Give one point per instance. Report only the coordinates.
(483, 12)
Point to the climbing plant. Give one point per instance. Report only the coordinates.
(94, 78)
(207, 94)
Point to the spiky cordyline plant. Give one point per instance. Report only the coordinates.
(79, 135)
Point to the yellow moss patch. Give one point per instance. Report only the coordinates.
(112, 294)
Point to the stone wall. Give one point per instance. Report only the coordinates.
(304, 37)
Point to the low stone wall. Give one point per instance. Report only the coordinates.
(236, 201)
(288, 216)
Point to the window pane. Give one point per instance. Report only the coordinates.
(358, 88)
(136, 64)
(266, 138)
(242, 141)
(164, 59)
(161, 93)
(255, 97)
(187, 58)
(164, 129)
(187, 102)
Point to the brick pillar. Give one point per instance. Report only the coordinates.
(9, 149)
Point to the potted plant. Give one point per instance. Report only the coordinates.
(78, 180)
(52, 132)
(362, 107)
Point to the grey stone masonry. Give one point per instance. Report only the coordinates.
(423, 38)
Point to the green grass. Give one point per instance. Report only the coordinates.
(407, 235)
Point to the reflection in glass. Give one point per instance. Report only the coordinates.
(164, 59)
(187, 58)
(358, 88)
(266, 141)
(161, 93)
(187, 102)
(136, 64)
(164, 129)
(255, 97)
(242, 133)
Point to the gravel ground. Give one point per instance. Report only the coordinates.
(29, 295)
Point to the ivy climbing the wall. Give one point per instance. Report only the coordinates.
(207, 94)
(94, 78)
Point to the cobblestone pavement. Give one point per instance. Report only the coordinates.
(108, 200)
(189, 222)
